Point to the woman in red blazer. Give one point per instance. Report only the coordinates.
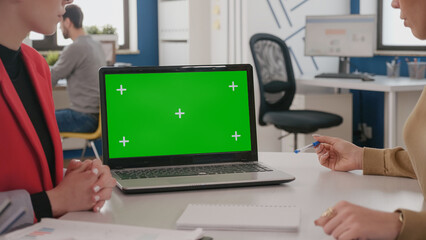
(30, 145)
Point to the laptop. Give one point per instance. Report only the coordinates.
(181, 128)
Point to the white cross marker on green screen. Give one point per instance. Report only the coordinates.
(121, 89)
(236, 136)
(124, 141)
(180, 113)
(233, 86)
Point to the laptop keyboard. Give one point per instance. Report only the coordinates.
(191, 171)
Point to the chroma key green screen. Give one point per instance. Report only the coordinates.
(159, 114)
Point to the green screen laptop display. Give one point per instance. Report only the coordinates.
(174, 113)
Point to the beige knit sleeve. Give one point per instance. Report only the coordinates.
(413, 226)
(388, 162)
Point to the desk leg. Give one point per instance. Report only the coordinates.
(392, 119)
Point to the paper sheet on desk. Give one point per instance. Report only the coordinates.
(54, 229)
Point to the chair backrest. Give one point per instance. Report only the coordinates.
(275, 73)
(98, 133)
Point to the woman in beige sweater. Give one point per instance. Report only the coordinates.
(348, 221)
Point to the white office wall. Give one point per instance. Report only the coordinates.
(238, 20)
(235, 21)
(133, 26)
(184, 32)
(219, 31)
(368, 7)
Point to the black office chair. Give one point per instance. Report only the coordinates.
(277, 88)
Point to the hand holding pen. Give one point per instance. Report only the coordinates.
(338, 154)
(314, 144)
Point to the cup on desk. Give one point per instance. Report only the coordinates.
(393, 69)
(416, 70)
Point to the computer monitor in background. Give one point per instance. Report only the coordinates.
(342, 36)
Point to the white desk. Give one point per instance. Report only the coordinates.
(389, 86)
(314, 190)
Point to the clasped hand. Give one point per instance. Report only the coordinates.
(86, 185)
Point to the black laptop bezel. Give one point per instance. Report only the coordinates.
(187, 159)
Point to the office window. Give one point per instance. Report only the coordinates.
(96, 12)
(392, 34)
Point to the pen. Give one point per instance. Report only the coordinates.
(314, 144)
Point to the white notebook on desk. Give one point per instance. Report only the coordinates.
(240, 217)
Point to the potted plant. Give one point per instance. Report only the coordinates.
(107, 34)
(52, 57)
(92, 30)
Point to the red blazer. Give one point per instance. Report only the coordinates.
(23, 164)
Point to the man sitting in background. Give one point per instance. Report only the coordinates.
(79, 64)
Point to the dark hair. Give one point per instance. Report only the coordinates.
(74, 13)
